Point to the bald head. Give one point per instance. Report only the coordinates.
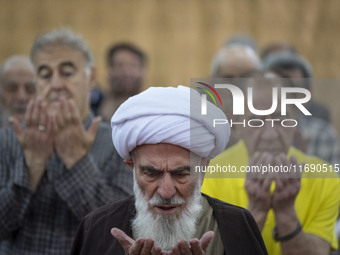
(17, 86)
(235, 60)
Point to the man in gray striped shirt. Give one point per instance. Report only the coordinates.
(62, 165)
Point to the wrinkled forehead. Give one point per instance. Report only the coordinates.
(164, 154)
(17, 66)
(160, 150)
(56, 54)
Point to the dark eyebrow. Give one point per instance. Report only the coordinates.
(149, 168)
(153, 170)
(68, 63)
(180, 169)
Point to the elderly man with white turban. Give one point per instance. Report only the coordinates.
(163, 136)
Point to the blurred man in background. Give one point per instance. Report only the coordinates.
(315, 135)
(61, 165)
(232, 62)
(17, 87)
(126, 66)
(295, 210)
(291, 65)
(277, 46)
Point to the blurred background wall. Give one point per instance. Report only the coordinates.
(181, 37)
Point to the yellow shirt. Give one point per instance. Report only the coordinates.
(317, 203)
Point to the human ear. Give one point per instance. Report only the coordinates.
(129, 162)
(93, 77)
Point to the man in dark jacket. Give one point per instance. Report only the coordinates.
(169, 144)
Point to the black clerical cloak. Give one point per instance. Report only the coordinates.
(238, 229)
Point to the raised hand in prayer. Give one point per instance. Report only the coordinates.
(287, 185)
(258, 186)
(44, 131)
(71, 140)
(36, 139)
(140, 246)
(196, 247)
(147, 246)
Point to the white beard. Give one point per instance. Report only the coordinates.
(166, 230)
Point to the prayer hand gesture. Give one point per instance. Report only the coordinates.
(287, 185)
(257, 187)
(147, 246)
(196, 247)
(44, 132)
(36, 139)
(139, 247)
(71, 141)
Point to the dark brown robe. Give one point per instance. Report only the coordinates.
(238, 229)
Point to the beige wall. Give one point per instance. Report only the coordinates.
(181, 36)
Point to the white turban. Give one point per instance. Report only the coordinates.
(169, 115)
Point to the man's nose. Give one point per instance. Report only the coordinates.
(166, 187)
(56, 82)
(22, 95)
(269, 132)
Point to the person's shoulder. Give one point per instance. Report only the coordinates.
(111, 211)
(319, 111)
(7, 131)
(237, 151)
(8, 141)
(226, 163)
(237, 228)
(315, 126)
(302, 157)
(94, 236)
(111, 208)
(103, 140)
(219, 204)
(104, 126)
(104, 129)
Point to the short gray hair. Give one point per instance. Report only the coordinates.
(62, 36)
(289, 60)
(223, 54)
(286, 59)
(13, 60)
